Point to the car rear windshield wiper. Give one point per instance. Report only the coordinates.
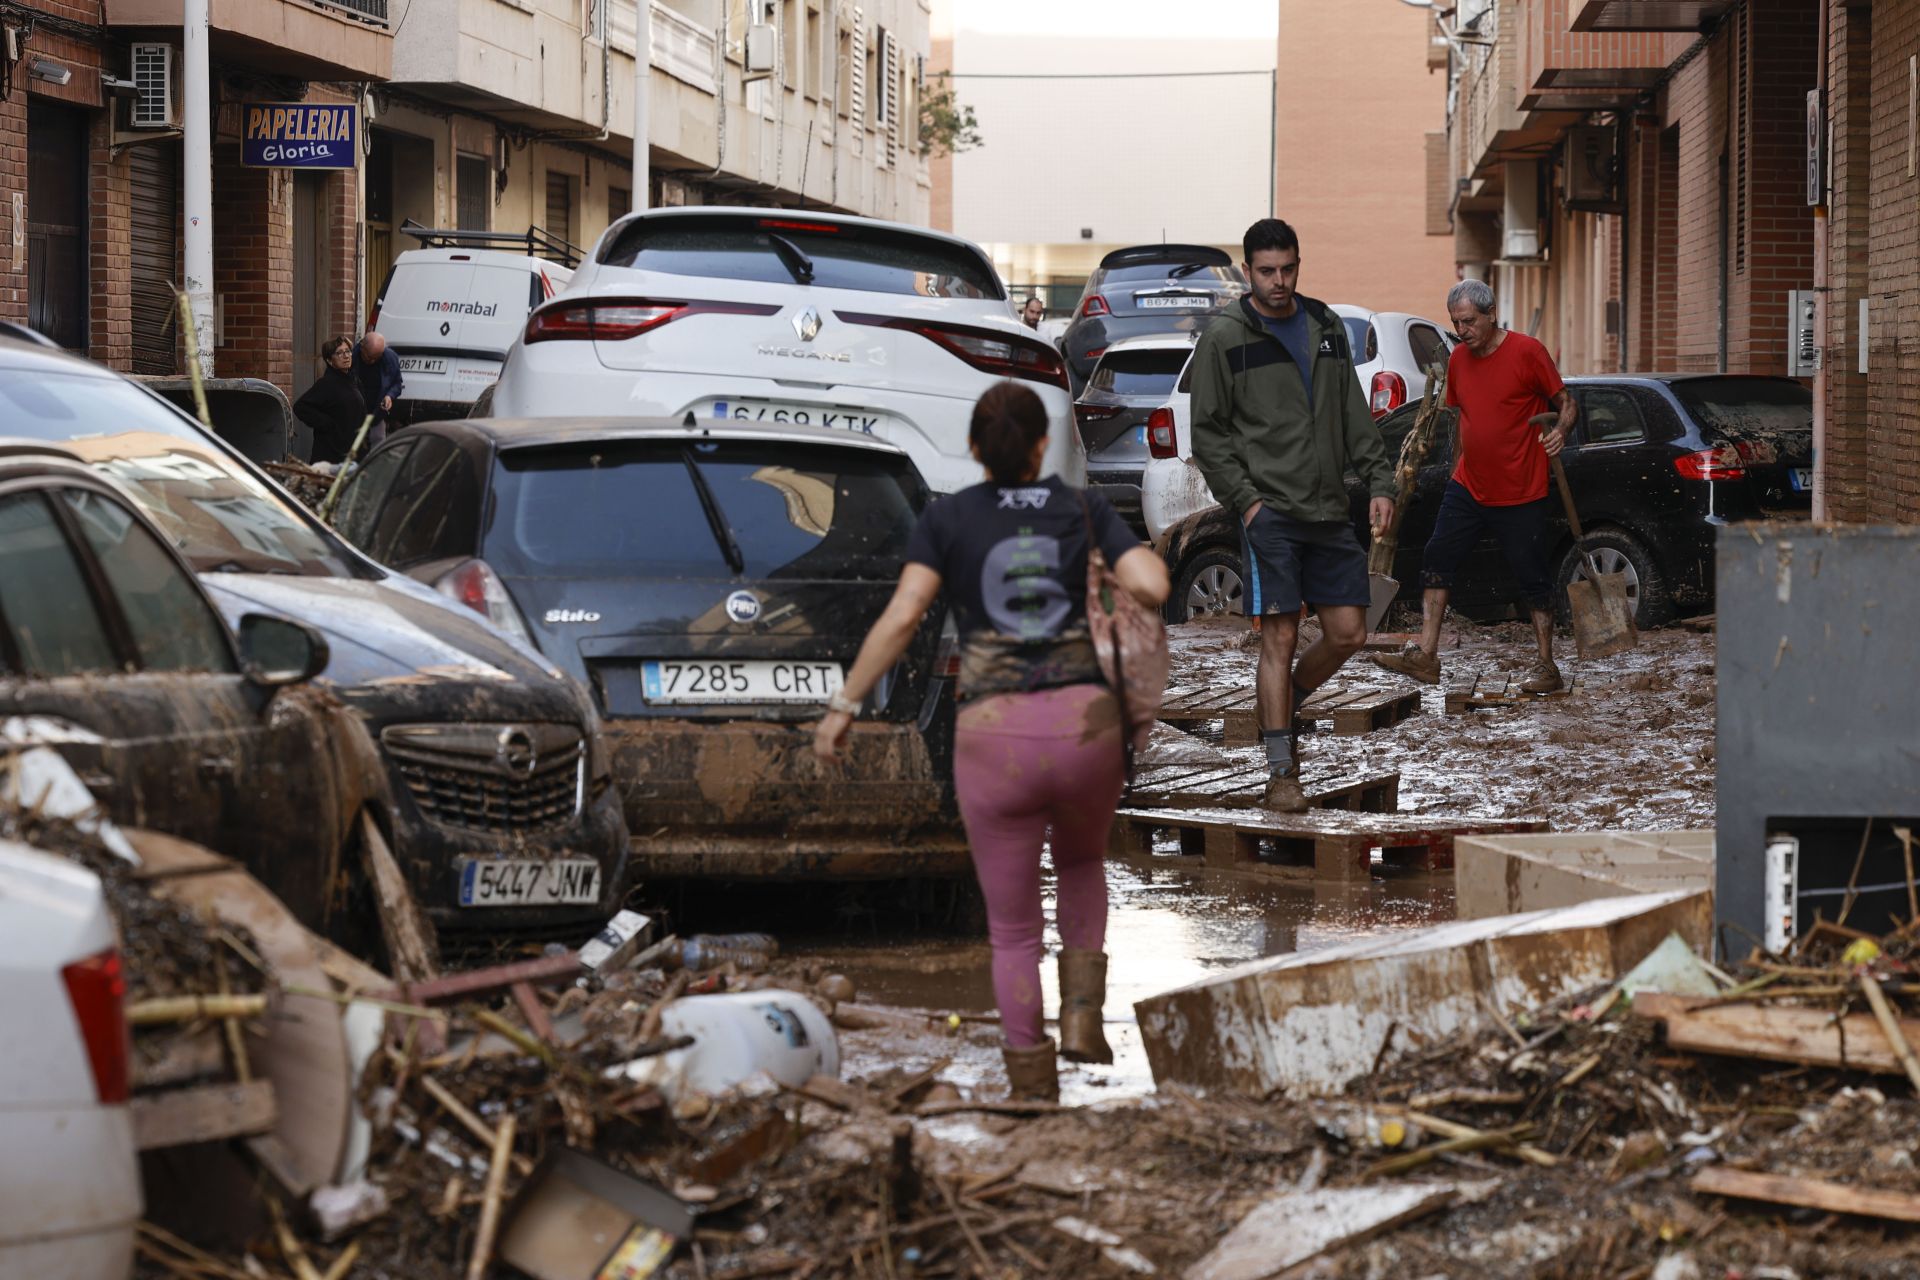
(794, 257)
(1186, 269)
(716, 518)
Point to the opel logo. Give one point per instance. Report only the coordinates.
(743, 606)
(807, 324)
(515, 753)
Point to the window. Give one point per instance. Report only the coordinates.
(795, 511)
(619, 204)
(816, 64)
(1609, 417)
(559, 205)
(49, 613)
(430, 506)
(472, 191)
(843, 72)
(873, 259)
(1139, 373)
(212, 509)
(1428, 347)
(793, 52)
(877, 78)
(360, 501)
(1360, 338)
(1778, 409)
(172, 626)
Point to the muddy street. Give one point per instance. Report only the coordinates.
(1635, 753)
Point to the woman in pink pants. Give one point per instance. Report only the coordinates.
(1038, 744)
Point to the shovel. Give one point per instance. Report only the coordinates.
(1602, 614)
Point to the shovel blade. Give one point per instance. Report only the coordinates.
(1602, 616)
(1383, 589)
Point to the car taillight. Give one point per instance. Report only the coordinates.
(1095, 305)
(988, 350)
(478, 587)
(98, 992)
(1161, 442)
(617, 319)
(1722, 463)
(1389, 392)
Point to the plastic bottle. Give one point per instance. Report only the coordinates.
(737, 1035)
(747, 951)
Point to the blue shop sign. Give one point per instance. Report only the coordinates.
(301, 135)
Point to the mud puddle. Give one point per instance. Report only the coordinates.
(1166, 926)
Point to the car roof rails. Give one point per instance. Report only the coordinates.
(538, 243)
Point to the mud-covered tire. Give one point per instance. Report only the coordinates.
(353, 917)
(1211, 583)
(1617, 551)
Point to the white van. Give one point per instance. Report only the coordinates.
(451, 309)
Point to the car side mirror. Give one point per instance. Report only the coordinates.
(276, 651)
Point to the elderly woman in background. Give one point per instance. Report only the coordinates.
(333, 406)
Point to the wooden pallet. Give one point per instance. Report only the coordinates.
(1325, 845)
(1480, 693)
(1232, 784)
(1351, 710)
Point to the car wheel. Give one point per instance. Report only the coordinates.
(1617, 551)
(483, 403)
(1210, 584)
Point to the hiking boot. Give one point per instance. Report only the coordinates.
(1411, 661)
(1544, 677)
(1083, 993)
(1033, 1073)
(1284, 794)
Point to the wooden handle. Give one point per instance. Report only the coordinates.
(1566, 498)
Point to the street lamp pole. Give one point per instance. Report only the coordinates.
(197, 139)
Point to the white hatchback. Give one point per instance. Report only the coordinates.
(1392, 352)
(761, 315)
(69, 1179)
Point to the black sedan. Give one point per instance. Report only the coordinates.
(496, 799)
(709, 584)
(1154, 288)
(1658, 464)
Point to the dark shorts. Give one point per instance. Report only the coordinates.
(1294, 561)
(1520, 530)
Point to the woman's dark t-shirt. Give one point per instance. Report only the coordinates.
(1013, 559)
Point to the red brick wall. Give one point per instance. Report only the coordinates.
(13, 208)
(1888, 465)
(1696, 106)
(109, 266)
(1784, 65)
(1851, 484)
(253, 268)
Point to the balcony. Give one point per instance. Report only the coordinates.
(302, 39)
(1646, 15)
(1563, 69)
(1490, 106)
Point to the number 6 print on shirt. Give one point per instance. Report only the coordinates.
(1020, 586)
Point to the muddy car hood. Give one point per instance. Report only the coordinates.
(398, 651)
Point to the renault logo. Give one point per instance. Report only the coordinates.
(807, 324)
(515, 753)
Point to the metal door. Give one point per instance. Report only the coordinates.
(154, 177)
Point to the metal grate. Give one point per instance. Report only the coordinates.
(369, 11)
(481, 800)
(153, 86)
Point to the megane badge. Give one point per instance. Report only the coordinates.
(743, 606)
(807, 324)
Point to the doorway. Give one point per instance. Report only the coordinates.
(153, 175)
(57, 222)
(312, 300)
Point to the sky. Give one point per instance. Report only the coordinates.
(1198, 19)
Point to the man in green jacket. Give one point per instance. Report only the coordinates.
(1278, 420)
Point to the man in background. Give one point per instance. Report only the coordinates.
(378, 372)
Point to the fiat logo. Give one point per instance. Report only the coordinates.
(743, 606)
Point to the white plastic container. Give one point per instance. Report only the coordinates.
(736, 1036)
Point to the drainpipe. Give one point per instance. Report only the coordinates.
(642, 100)
(197, 138)
(1820, 351)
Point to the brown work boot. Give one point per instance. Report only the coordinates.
(1033, 1073)
(1285, 794)
(1544, 677)
(1083, 993)
(1411, 661)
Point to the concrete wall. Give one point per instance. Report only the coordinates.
(1356, 102)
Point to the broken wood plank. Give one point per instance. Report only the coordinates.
(412, 946)
(1808, 1193)
(165, 1009)
(1775, 1033)
(203, 1113)
(1334, 843)
(1293, 1227)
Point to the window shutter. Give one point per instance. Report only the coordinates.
(857, 94)
(890, 69)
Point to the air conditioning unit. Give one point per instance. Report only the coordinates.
(1520, 225)
(1590, 176)
(153, 105)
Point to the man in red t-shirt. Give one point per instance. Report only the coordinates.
(1498, 380)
